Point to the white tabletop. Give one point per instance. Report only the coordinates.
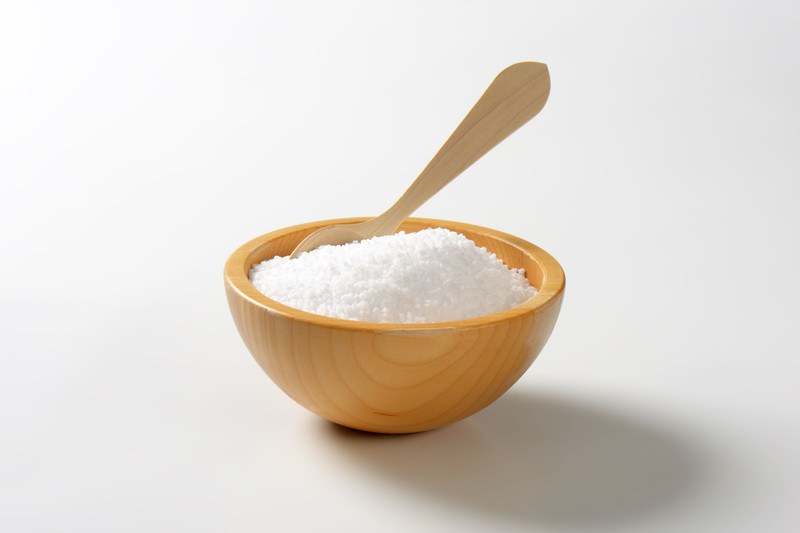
(140, 143)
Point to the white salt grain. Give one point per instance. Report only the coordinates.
(434, 275)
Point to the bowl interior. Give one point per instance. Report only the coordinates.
(541, 270)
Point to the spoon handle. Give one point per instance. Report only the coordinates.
(514, 97)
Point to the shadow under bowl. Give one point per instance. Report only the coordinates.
(394, 378)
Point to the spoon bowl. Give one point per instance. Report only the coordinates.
(341, 234)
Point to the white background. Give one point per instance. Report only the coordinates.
(141, 142)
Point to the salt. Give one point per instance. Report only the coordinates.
(433, 275)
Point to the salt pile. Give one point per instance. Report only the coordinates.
(434, 275)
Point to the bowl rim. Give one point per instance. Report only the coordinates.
(553, 281)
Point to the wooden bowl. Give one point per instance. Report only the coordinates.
(394, 378)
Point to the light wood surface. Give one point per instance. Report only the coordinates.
(394, 378)
(514, 97)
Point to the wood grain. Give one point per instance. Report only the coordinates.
(394, 378)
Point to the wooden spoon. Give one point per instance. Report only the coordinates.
(515, 96)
